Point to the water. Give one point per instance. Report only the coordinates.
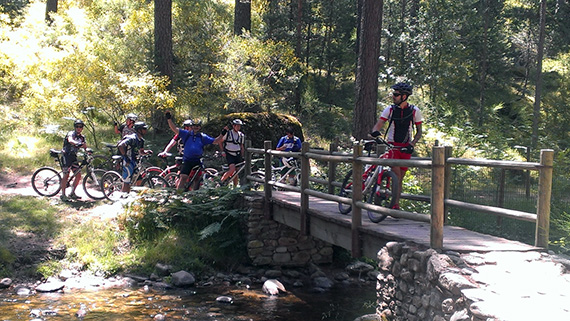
(198, 303)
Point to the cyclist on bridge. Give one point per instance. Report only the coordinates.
(71, 143)
(289, 143)
(194, 142)
(402, 117)
(232, 148)
(130, 147)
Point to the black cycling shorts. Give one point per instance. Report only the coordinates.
(188, 165)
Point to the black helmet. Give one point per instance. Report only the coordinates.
(78, 122)
(403, 88)
(132, 117)
(187, 123)
(140, 125)
(197, 122)
(237, 122)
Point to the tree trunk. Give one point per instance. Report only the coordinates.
(242, 17)
(483, 63)
(367, 68)
(163, 56)
(51, 7)
(538, 91)
(299, 28)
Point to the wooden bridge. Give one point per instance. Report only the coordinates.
(316, 213)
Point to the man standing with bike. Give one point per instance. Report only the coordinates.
(289, 143)
(402, 117)
(232, 148)
(128, 127)
(194, 143)
(71, 143)
(130, 147)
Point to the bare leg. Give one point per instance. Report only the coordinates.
(64, 183)
(76, 181)
(182, 182)
(400, 174)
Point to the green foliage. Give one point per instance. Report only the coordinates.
(205, 228)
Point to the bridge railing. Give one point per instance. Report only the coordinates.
(440, 164)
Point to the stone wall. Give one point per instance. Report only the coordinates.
(420, 284)
(271, 243)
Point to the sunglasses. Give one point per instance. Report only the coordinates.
(396, 94)
(79, 126)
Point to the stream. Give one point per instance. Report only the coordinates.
(196, 303)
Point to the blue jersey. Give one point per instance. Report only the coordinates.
(292, 144)
(194, 144)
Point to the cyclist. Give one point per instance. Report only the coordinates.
(289, 143)
(194, 142)
(187, 125)
(232, 148)
(128, 127)
(402, 117)
(130, 147)
(71, 143)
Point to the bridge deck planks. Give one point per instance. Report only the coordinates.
(392, 229)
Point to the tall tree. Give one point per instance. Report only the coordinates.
(163, 56)
(367, 68)
(242, 16)
(51, 7)
(538, 91)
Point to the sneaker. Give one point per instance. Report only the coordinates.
(64, 198)
(396, 207)
(74, 197)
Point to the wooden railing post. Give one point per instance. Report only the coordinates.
(446, 188)
(356, 197)
(543, 203)
(437, 196)
(333, 147)
(266, 188)
(305, 169)
(247, 159)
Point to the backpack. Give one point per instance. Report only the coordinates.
(402, 118)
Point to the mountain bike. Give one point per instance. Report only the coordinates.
(107, 162)
(46, 180)
(198, 175)
(289, 172)
(149, 177)
(379, 184)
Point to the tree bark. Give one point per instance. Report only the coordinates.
(367, 68)
(538, 91)
(242, 16)
(163, 56)
(51, 7)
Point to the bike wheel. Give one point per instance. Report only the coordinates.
(383, 194)
(257, 186)
(346, 191)
(112, 185)
(155, 182)
(92, 184)
(172, 179)
(102, 162)
(46, 181)
(153, 171)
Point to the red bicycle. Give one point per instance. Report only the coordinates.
(379, 184)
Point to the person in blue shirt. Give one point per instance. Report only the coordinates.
(194, 142)
(289, 143)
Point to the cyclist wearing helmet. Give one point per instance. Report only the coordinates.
(71, 143)
(288, 143)
(232, 148)
(187, 125)
(126, 128)
(402, 117)
(130, 147)
(194, 142)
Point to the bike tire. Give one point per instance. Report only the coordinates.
(172, 179)
(257, 186)
(112, 185)
(92, 184)
(46, 181)
(153, 171)
(155, 182)
(346, 191)
(383, 194)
